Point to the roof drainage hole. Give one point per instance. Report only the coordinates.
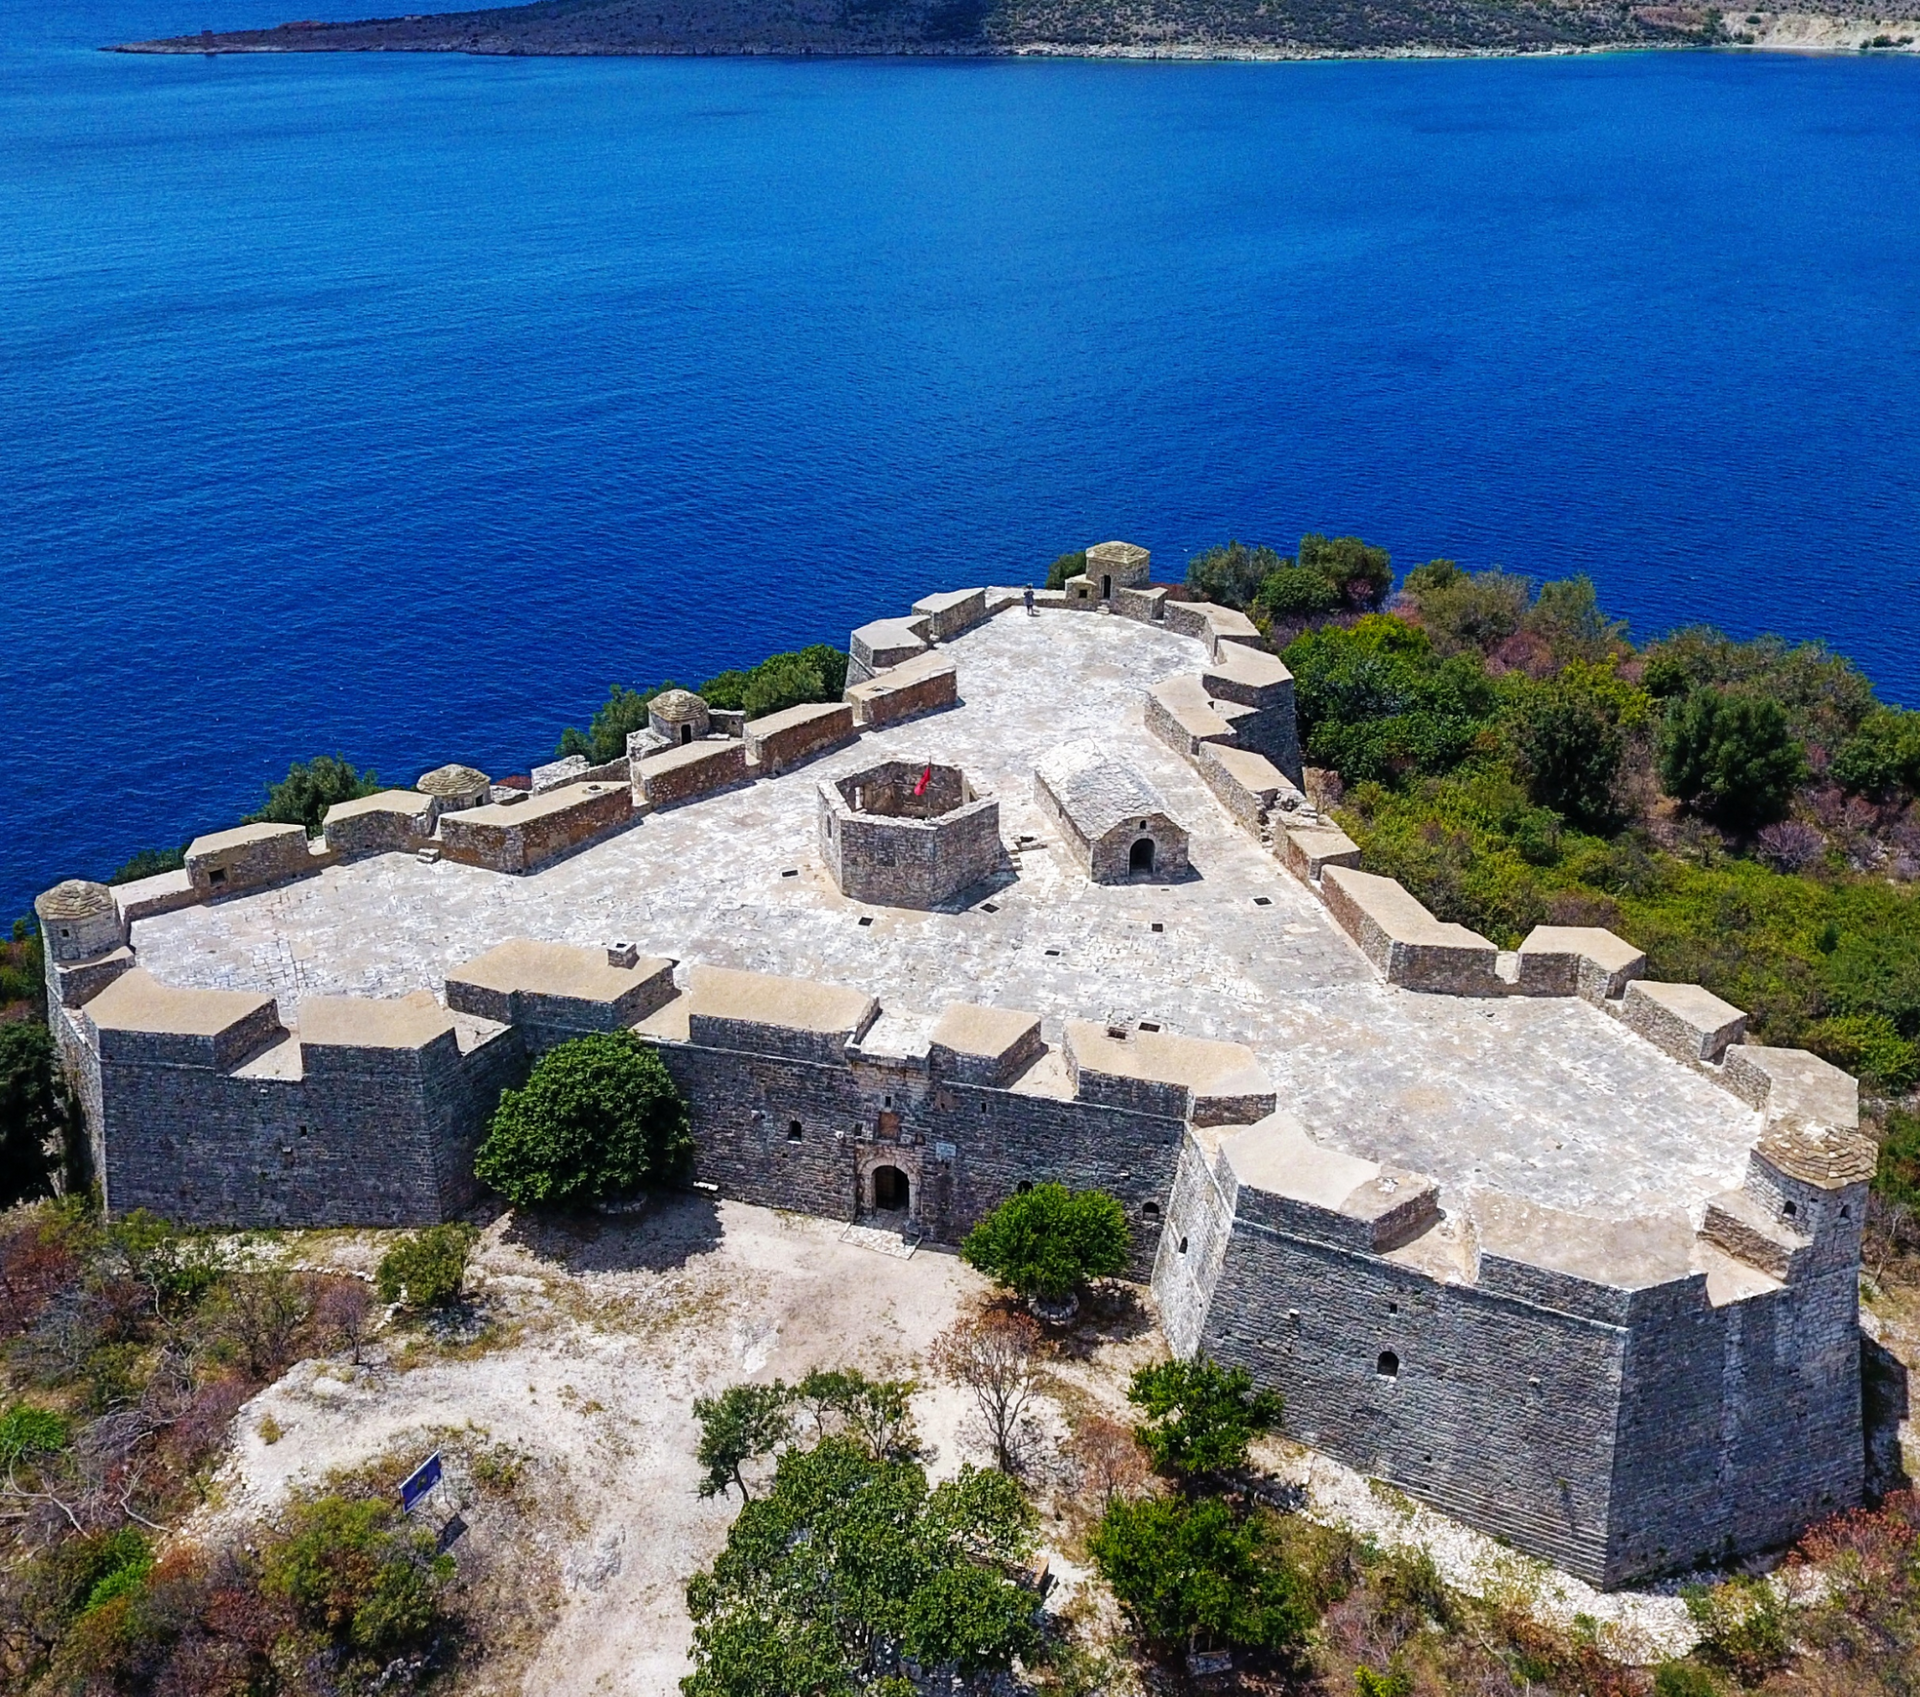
(866, 919)
(1263, 901)
(1149, 1025)
(1158, 926)
(989, 907)
(791, 872)
(1054, 952)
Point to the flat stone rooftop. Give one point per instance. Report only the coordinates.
(1548, 1099)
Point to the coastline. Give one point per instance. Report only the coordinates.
(785, 29)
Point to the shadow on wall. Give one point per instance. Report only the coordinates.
(668, 1232)
(1883, 1399)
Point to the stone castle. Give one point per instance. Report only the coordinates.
(1542, 1242)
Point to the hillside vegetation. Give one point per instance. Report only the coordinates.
(1171, 28)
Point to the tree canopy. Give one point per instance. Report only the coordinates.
(1201, 1417)
(310, 787)
(849, 1567)
(1050, 1242)
(599, 1117)
(33, 1111)
(1732, 756)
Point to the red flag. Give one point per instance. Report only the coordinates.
(926, 778)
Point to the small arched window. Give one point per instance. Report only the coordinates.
(1183, 1246)
(1151, 1213)
(793, 1131)
(1388, 1366)
(1023, 1187)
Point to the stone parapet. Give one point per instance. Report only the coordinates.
(690, 770)
(560, 986)
(248, 857)
(520, 836)
(1577, 960)
(1146, 605)
(1309, 850)
(1283, 1179)
(884, 643)
(140, 1021)
(162, 893)
(951, 612)
(1686, 1021)
(1406, 944)
(1250, 676)
(789, 738)
(391, 822)
(1740, 1224)
(1212, 625)
(1184, 717)
(767, 1014)
(904, 691)
(1160, 1072)
(984, 1046)
(1248, 784)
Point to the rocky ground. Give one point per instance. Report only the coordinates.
(1105, 28)
(574, 1369)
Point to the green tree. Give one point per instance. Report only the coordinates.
(1571, 735)
(1826, 697)
(310, 787)
(1377, 704)
(1882, 757)
(1050, 1242)
(605, 738)
(1231, 575)
(149, 863)
(1068, 565)
(34, 1111)
(358, 1572)
(1362, 574)
(1295, 592)
(599, 1117)
(1566, 614)
(1732, 757)
(1463, 613)
(741, 1424)
(847, 1566)
(426, 1269)
(1201, 1417)
(1183, 1571)
(876, 1412)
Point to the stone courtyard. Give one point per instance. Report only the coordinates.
(1543, 1098)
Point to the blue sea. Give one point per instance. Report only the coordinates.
(397, 405)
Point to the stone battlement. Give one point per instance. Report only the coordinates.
(1543, 1242)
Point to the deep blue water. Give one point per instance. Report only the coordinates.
(396, 405)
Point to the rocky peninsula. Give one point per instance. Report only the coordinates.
(1146, 29)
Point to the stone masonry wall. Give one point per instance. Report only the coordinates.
(365, 1137)
(974, 1146)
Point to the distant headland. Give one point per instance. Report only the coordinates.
(1166, 29)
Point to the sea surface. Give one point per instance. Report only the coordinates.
(397, 405)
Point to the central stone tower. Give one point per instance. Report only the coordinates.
(908, 833)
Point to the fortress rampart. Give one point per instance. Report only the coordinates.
(1622, 1389)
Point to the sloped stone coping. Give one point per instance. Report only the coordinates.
(559, 984)
(901, 692)
(1577, 960)
(1404, 941)
(1159, 1072)
(951, 612)
(780, 741)
(1686, 1021)
(693, 769)
(1308, 851)
(391, 822)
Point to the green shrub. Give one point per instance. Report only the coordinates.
(1201, 1417)
(1744, 1627)
(1361, 574)
(26, 1431)
(1883, 756)
(150, 863)
(1570, 733)
(743, 1423)
(1566, 615)
(310, 787)
(358, 1572)
(599, 1117)
(1732, 757)
(1231, 575)
(1684, 1679)
(426, 1269)
(1468, 614)
(1068, 565)
(1897, 1177)
(1870, 1045)
(1376, 703)
(1825, 696)
(1181, 1570)
(1295, 592)
(622, 713)
(33, 1111)
(1050, 1242)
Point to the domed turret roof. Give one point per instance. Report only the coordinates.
(676, 705)
(452, 780)
(77, 898)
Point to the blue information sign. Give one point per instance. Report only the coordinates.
(419, 1482)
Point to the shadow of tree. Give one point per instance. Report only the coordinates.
(668, 1231)
(1111, 1312)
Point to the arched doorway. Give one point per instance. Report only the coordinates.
(686, 733)
(891, 1191)
(1140, 856)
(1106, 588)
